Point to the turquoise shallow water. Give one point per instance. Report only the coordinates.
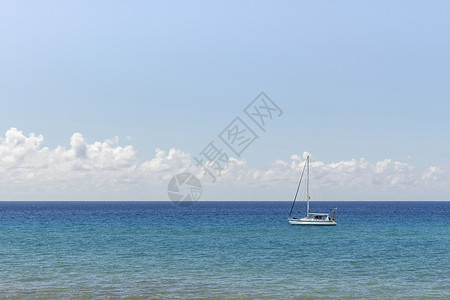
(378, 250)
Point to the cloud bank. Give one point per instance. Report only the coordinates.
(102, 169)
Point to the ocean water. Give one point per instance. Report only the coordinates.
(222, 250)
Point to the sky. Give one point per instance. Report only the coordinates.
(108, 100)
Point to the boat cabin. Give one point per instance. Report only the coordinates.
(319, 217)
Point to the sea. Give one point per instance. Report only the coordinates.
(223, 250)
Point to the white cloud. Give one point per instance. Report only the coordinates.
(106, 168)
(432, 174)
(354, 172)
(165, 165)
(24, 163)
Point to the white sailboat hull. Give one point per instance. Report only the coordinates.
(311, 222)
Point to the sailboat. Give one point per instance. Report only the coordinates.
(321, 219)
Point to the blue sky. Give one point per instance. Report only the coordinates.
(355, 79)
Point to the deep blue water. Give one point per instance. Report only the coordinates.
(378, 250)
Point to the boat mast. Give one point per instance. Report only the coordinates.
(307, 187)
(298, 187)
